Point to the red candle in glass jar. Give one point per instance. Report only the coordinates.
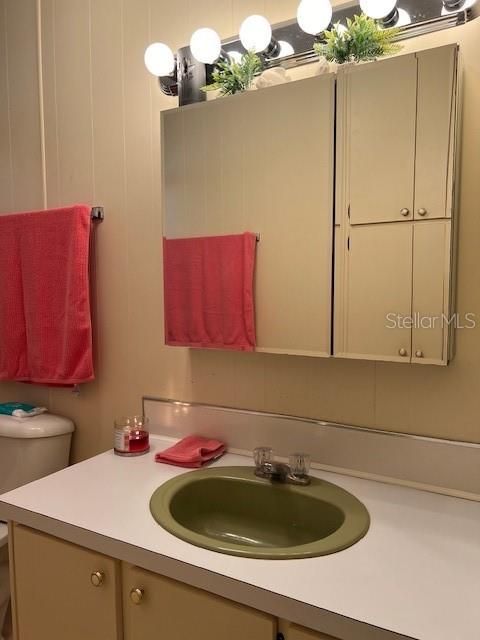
(131, 436)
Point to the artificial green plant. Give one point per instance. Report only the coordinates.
(232, 77)
(363, 39)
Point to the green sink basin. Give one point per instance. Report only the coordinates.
(230, 510)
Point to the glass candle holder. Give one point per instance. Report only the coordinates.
(131, 436)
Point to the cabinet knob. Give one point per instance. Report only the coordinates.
(422, 212)
(402, 352)
(97, 578)
(136, 596)
(405, 212)
(419, 354)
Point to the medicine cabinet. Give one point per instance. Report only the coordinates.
(348, 179)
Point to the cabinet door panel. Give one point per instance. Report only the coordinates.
(54, 597)
(381, 140)
(435, 128)
(294, 270)
(378, 290)
(339, 292)
(301, 633)
(173, 610)
(431, 283)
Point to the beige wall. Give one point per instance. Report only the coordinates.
(94, 137)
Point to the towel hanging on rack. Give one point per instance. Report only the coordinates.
(45, 321)
(208, 286)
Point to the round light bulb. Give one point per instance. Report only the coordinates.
(205, 45)
(378, 9)
(159, 59)
(404, 18)
(314, 16)
(236, 56)
(255, 33)
(286, 49)
(340, 28)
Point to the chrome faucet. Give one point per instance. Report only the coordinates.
(296, 472)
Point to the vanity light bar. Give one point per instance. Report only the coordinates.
(412, 17)
(424, 16)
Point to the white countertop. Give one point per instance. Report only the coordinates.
(416, 573)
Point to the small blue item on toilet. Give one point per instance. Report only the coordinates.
(20, 410)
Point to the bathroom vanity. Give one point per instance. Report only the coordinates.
(128, 602)
(89, 561)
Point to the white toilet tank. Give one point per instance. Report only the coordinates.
(32, 448)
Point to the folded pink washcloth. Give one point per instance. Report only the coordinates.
(192, 451)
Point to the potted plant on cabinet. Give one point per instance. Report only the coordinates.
(362, 40)
(231, 76)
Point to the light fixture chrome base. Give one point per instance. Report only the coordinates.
(273, 49)
(169, 85)
(453, 4)
(390, 20)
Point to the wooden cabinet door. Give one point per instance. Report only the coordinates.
(397, 126)
(377, 293)
(295, 632)
(436, 121)
(53, 594)
(380, 140)
(431, 292)
(175, 611)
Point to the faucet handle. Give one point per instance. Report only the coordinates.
(299, 464)
(262, 455)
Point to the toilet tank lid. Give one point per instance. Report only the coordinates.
(45, 425)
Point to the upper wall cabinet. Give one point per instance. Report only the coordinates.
(263, 162)
(395, 231)
(396, 129)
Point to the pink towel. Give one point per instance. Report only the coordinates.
(45, 325)
(208, 284)
(192, 451)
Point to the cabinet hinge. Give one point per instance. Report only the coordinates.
(348, 212)
(348, 243)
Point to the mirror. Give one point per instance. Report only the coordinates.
(263, 161)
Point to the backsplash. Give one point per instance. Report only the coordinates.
(436, 465)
